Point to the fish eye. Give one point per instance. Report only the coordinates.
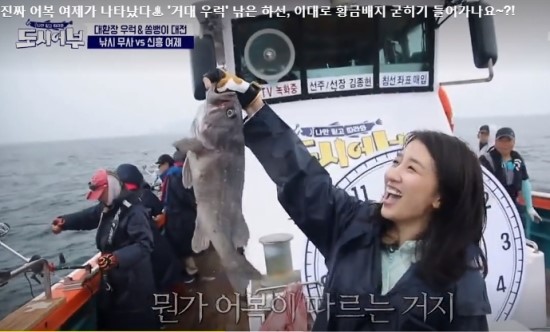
(230, 113)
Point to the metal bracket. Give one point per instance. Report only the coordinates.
(532, 244)
(213, 26)
(476, 80)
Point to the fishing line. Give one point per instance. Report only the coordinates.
(30, 284)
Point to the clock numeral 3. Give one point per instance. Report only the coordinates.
(505, 237)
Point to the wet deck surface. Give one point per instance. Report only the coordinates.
(209, 309)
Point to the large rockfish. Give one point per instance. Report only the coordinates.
(214, 168)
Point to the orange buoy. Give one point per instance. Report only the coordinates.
(447, 108)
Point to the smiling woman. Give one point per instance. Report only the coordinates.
(434, 190)
(422, 243)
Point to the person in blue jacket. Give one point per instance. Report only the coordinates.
(421, 241)
(125, 240)
(180, 209)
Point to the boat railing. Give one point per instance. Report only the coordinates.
(540, 194)
(39, 266)
(532, 244)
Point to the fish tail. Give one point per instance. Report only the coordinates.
(240, 274)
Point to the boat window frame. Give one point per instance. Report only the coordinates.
(431, 26)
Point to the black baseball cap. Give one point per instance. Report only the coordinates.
(165, 158)
(484, 128)
(505, 132)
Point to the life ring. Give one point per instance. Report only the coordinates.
(447, 108)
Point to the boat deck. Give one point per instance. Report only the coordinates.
(204, 304)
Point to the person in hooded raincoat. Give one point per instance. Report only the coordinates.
(422, 241)
(125, 239)
(166, 266)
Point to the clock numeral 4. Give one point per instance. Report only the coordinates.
(500, 284)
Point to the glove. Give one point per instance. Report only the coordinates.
(534, 215)
(107, 261)
(160, 220)
(224, 81)
(57, 225)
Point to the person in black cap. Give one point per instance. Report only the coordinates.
(180, 210)
(164, 162)
(483, 136)
(509, 168)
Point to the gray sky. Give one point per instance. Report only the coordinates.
(60, 93)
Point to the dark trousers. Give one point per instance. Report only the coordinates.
(179, 231)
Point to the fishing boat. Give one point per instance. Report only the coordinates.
(311, 59)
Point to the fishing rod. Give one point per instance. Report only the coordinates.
(62, 265)
(4, 230)
(5, 275)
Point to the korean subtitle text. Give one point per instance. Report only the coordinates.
(241, 11)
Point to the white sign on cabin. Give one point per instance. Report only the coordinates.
(400, 80)
(339, 83)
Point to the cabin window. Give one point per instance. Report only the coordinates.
(403, 56)
(265, 48)
(297, 58)
(338, 53)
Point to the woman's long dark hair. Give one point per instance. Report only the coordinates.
(451, 244)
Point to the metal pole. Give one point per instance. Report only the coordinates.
(475, 80)
(32, 266)
(47, 282)
(14, 252)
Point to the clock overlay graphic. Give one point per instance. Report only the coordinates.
(503, 236)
